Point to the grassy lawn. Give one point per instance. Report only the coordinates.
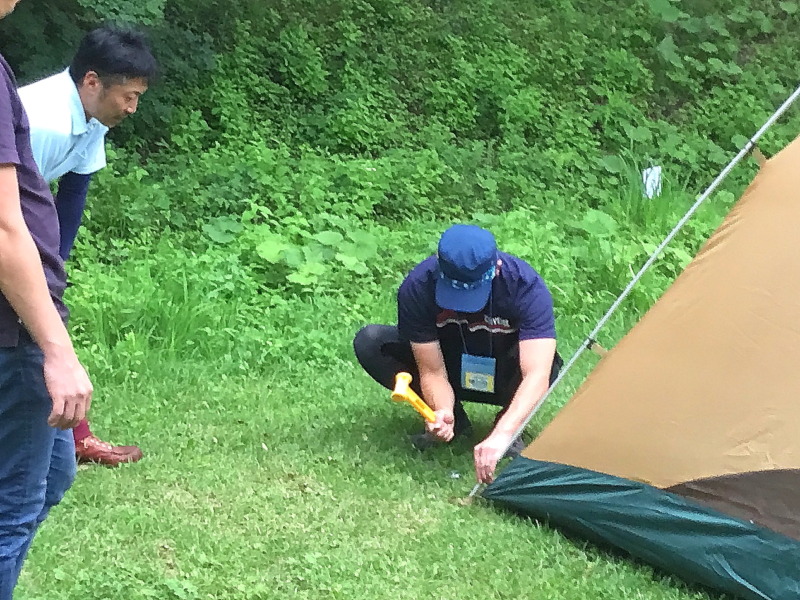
(278, 469)
(299, 483)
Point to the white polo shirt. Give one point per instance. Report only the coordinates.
(61, 138)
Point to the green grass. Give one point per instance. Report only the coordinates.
(296, 484)
(275, 468)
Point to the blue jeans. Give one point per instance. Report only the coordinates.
(37, 462)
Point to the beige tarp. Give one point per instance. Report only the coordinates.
(708, 383)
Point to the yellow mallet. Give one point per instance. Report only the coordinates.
(402, 392)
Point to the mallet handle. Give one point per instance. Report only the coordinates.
(403, 393)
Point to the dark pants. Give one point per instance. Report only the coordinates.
(37, 462)
(383, 354)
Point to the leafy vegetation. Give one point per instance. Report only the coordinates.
(293, 162)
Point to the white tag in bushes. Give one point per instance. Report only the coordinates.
(651, 178)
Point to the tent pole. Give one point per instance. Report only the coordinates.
(590, 340)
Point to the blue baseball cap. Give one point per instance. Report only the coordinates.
(467, 260)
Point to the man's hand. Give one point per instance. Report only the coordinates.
(436, 389)
(70, 390)
(442, 428)
(488, 453)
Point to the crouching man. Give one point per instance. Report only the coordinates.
(475, 325)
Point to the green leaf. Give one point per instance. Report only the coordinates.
(314, 253)
(308, 274)
(684, 258)
(347, 260)
(765, 23)
(315, 268)
(329, 238)
(364, 246)
(788, 7)
(487, 183)
(692, 25)
(272, 249)
(665, 10)
(301, 278)
(739, 141)
(351, 263)
(217, 235)
(717, 25)
(725, 197)
(222, 229)
(293, 257)
(597, 223)
(637, 134)
(669, 51)
(613, 164)
(739, 16)
(362, 253)
(483, 219)
(733, 68)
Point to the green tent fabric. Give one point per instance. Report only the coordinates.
(664, 529)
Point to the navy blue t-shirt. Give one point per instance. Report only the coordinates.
(520, 308)
(38, 206)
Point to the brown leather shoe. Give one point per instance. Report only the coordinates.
(94, 450)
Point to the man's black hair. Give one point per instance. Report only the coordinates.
(114, 54)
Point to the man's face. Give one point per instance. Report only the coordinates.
(112, 101)
(6, 7)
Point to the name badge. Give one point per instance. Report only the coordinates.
(477, 373)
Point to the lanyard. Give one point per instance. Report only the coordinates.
(491, 333)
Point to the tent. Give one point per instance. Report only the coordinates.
(682, 447)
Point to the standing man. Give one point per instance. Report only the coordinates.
(44, 390)
(474, 324)
(70, 114)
